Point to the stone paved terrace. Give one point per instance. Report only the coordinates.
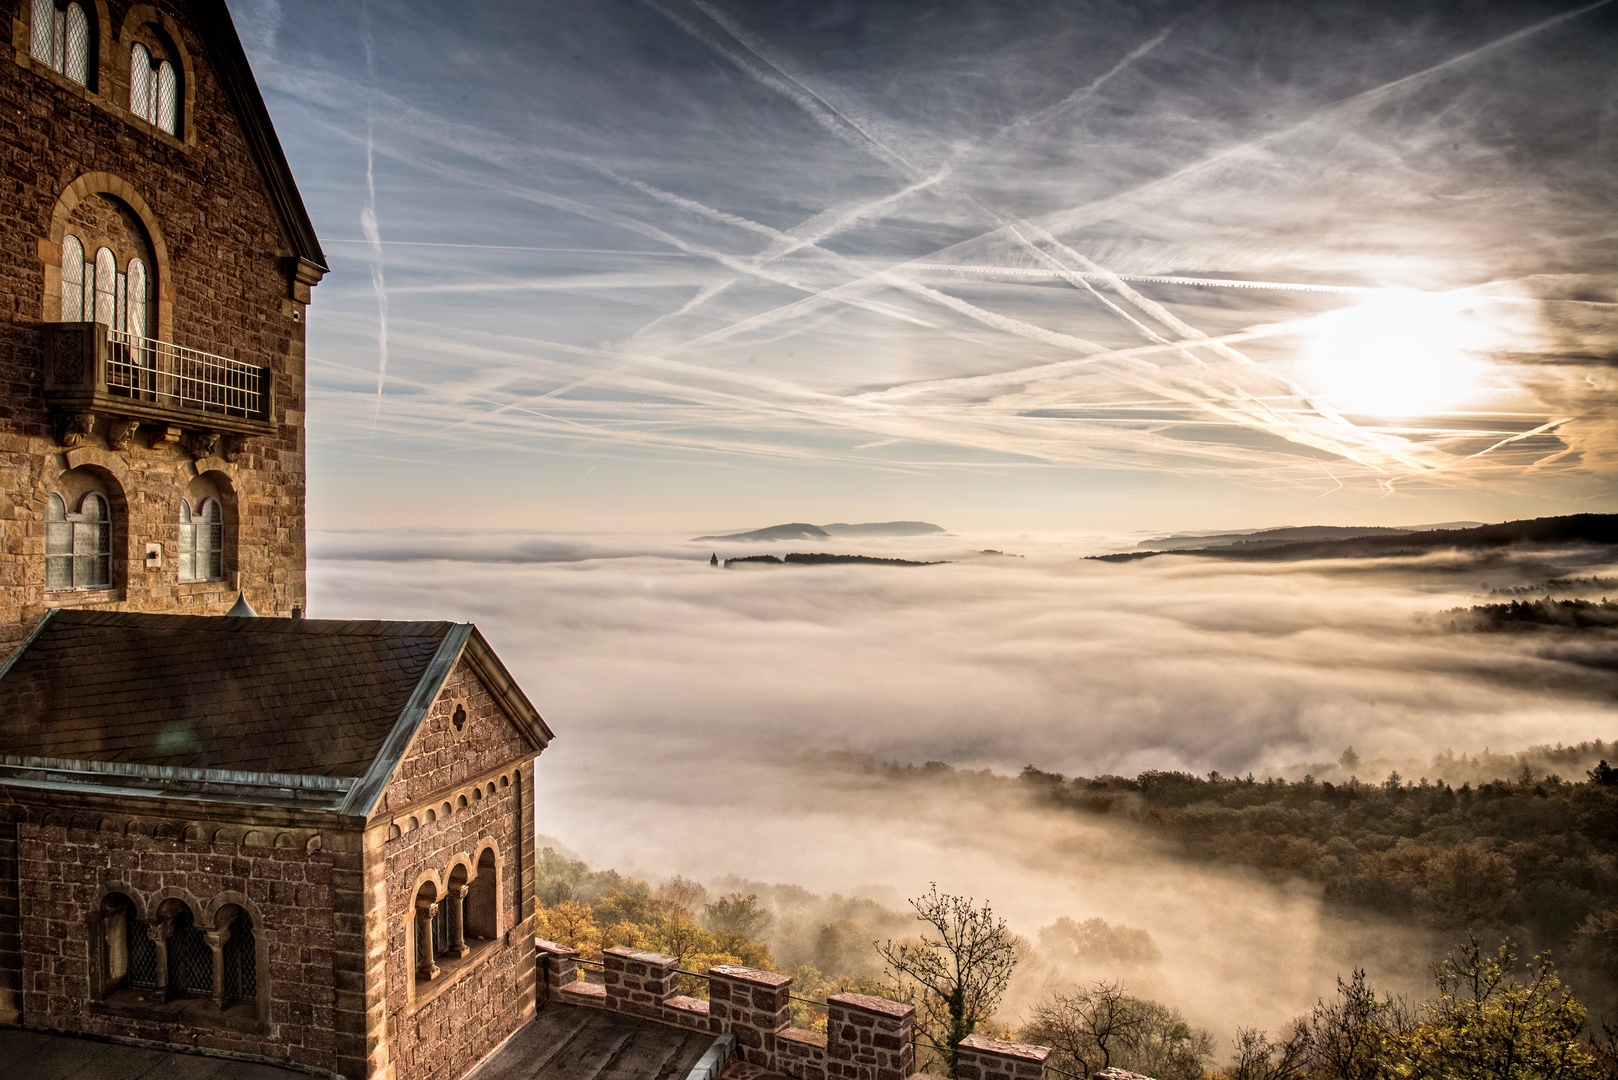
(58, 1057)
(569, 1042)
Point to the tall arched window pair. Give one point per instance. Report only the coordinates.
(99, 292)
(153, 89)
(202, 541)
(60, 39)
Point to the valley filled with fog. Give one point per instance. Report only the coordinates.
(716, 722)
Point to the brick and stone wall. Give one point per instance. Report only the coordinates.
(866, 1038)
(277, 867)
(457, 792)
(224, 283)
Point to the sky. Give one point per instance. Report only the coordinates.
(1056, 276)
(696, 265)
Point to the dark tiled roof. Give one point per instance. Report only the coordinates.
(313, 696)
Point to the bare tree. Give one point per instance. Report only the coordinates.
(1103, 1027)
(955, 972)
(1257, 1058)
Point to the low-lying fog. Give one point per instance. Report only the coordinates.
(691, 704)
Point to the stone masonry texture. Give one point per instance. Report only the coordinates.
(224, 283)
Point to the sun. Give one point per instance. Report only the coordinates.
(1402, 356)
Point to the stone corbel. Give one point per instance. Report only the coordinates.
(231, 446)
(165, 436)
(74, 428)
(199, 444)
(120, 432)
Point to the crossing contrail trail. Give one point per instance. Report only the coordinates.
(368, 225)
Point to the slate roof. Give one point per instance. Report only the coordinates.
(302, 696)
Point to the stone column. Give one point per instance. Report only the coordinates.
(978, 1057)
(216, 941)
(159, 933)
(425, 968)
(755, 1006)
(457, 921)
(871, 1038)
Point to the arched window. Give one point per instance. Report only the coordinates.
(135, 290)
(202, 541)
(154, 89)
(190, 957)
(99, 292)
(483, 899)
(117, 913)
(238, 957)
(60, 38)
(78, 546)
(72, 279)
(141, 951)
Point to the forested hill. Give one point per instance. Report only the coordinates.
(1572, 529)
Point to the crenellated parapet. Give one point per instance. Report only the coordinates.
(866, 1038)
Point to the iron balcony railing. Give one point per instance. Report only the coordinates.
(146, 369)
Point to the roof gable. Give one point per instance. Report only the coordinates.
(468, 655)
(211, 19)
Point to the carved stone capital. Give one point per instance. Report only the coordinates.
(119, 432)
(74, 428)
(199, 444)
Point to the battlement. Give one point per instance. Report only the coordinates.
(866, 1038)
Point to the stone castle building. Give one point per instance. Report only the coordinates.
(295, 844)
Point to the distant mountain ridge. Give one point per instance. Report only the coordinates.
(1295, 534)
(1570, 529)
(799, 530)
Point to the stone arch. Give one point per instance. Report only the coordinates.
(394, 832)
(111, 184)
(224, 836)
(223, 916)
(254, 838)
(446, 810)
(220, 485)
(136, 19)
(112, 909)
(168, 830)
(484, 915)
(164, 899)
(286, 840)
(91, 469)
(53, 821)
(464, 863)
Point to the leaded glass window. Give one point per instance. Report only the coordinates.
(60, 38)
(202, 541)
(72, 279)
(78, 546)
(106, 287)
(154, 90)
(135, 289)
(142, 955)
(190, 957)
(241, 961)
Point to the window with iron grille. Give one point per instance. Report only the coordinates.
(441, 929)
(241, 962)
(190, 958)
(142, 955)
(60, 38)
(202, 541)
(78, 546)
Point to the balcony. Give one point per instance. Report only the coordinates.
(93, 370)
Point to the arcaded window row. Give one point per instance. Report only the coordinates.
(168, 953)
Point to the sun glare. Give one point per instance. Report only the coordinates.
(1396, 357)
